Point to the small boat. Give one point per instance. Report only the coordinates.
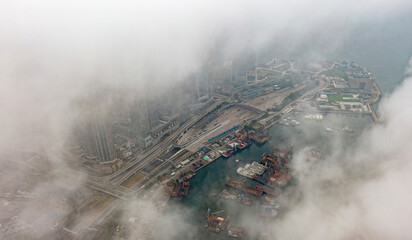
(236, 232)
(328, 129)
(237, 160)
(347, 130)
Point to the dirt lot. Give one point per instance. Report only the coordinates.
(267, 101)
(133, 180)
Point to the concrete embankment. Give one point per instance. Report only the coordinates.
(374, 116)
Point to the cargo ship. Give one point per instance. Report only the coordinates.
(230, 149)
(267, 190)
(240, 186)
(243, 145)
(227, 153)
(233, 184)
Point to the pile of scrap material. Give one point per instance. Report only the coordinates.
(252, 191)
(251, 170)
(285, 155)
(225, 194)
(279, 177)
(278, 159)
(244, 200)
(270, 160)
(216, 222)
(258, 136)
(261, 139)
(278, 172)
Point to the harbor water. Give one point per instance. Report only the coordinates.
(210, 181)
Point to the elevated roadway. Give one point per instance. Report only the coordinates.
(141, 161)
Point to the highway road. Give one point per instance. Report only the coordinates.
(141, 161)
(111, 184)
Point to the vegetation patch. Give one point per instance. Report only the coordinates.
(341, 98)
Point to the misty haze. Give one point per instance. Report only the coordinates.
(204, 120)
